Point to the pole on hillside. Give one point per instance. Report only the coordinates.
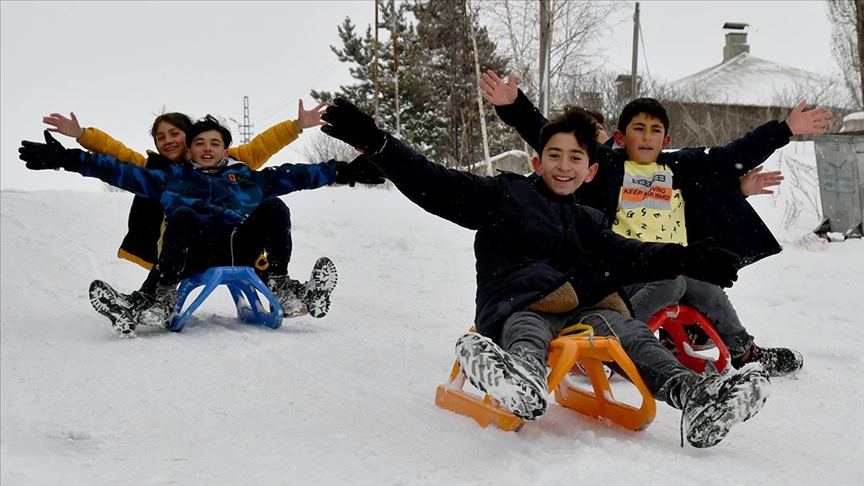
(395, 66)
(545, 54)
(482, 111)
(634, 85)
(375, 63)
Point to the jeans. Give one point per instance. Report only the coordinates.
(533, 331)
(649, 298)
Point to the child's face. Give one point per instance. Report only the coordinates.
(564, 164)
(208, 149)
(643, 139)
(170, 142)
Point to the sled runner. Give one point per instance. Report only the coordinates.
(672, 319)
(244, 285)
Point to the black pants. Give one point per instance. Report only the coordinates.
(190, 246)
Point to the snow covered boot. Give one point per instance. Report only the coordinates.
(316, 293)
(516, 379)
(163, 308)
(713, 403)
(288, 291)
(121, 309)
(776, 361)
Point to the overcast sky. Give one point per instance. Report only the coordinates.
(117, 64)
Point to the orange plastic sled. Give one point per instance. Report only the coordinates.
(672, 319)
(591, 352)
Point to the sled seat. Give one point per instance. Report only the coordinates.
(244, 285)
(599, 402)
(672, 319)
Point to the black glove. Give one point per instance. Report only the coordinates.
(704, 260)
(358, 170)
(347, 123)
(49, 155)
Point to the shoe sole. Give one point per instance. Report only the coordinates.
(492, 371)
(104, 300)
(321, 284)
(743, 399)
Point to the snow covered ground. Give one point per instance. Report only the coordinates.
(349, 399)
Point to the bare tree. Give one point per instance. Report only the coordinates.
(320, 147)
(847, 43)
(576, 46)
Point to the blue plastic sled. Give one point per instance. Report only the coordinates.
(243, 283)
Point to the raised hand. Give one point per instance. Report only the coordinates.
(67, 126)
(756, 182)
(816, 120)
(311, 118)
(347, 123)
(496, 91)
(48, 155)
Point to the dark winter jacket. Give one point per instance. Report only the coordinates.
(708, 182)
(225, 195)
(529, 241)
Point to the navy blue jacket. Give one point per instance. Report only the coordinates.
(708, 182)
(529, 241)
(224, 195)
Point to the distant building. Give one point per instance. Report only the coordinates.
(723, 102)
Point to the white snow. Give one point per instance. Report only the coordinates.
(349, 399)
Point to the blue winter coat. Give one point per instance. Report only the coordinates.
(708, 182)
(225, 195)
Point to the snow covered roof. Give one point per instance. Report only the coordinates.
(748, 80)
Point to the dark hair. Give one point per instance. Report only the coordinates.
(596, 115)
(179, 120)
(578, 122)
(648, 106)
(205, 125)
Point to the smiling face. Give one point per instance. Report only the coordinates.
(208, 148)
(170, 141)
(564, 164)
(643, 138)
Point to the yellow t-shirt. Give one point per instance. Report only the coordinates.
(648, 208)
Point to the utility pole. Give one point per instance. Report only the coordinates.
(486, 157)
(375, 64)
(634, 85)
(244, 130)
(545, 54)
(395, 65)
(392, 28)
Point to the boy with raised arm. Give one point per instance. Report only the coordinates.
(220, 212)
(545, 262)
(677, 197)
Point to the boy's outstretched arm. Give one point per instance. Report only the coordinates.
(266, 144)
(51, 155)
(457, 196)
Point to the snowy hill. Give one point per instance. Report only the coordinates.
(349, 399)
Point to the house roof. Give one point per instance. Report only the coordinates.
(748, 80)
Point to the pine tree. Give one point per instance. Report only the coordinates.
(438, 110)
